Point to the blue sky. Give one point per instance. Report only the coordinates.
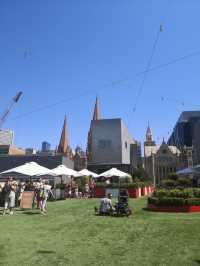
(74, 50)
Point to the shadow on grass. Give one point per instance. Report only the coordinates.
(197, 261)
(31, 213)
(46, 252)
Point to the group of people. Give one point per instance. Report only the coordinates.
(11, 194)
(72, 190)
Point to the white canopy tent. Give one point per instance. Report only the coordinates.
(114, 172)
(186, 171)
(28, 169)
(63, 170)
(86, 172)
(196, 168)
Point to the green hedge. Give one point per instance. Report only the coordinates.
(124, 185)
(165, 201)
(184, 193)
(175, 197)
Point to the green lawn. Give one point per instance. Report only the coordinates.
(72, 235)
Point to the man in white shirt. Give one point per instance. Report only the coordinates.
(106, 205)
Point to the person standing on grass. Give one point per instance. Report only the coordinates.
(38, 189)
(9, 196)
(92, 188)
(45, 191)
(87, 190)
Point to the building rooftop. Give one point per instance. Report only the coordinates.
(186, 115)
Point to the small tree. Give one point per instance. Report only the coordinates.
(140, 174)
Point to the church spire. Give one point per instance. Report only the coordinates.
(149, 134)
(63, 145)
(149, 137)
(96, 115)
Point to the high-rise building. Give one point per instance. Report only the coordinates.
(46, 146)
(110, 145)
(6, 137)
(186, 133)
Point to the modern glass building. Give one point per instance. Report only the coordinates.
(187, 133)
(46, 146)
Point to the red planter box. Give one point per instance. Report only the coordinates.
(133, 192)
(99, 192)
(152, 207)
(144, 191)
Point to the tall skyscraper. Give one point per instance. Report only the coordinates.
(46, 146)
(187, 133)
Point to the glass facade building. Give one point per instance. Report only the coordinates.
(46, 146)
(187, 133)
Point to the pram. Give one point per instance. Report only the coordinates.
(121, 207)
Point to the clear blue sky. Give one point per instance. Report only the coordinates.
(57, 50)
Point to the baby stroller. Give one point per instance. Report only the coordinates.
(122, 208)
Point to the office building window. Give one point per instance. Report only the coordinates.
(126, 145)
(103, 144)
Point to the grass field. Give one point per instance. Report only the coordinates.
(72, 235)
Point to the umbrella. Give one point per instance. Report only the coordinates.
(63, 170)
(186, 171)
(28, 169)
(114, 172)
(86, 172)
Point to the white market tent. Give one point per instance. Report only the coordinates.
(186, 171)
(63, 170)
(28, 169)
(114, 172)
(86, 172)
(196, 168)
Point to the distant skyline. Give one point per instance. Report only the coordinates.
(63, 54)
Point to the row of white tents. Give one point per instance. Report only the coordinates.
(33, 169)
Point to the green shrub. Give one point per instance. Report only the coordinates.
(167, 201)
(159, 193)
(176, 197)
(171, 202)
(193, 202)
(123, 185)
(184, 182)
(173, 176)
(174, 193)
(168, 183)
(196, 192)
(153, 200)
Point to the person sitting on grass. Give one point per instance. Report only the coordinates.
(106, 207)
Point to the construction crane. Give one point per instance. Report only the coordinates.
(6, 113)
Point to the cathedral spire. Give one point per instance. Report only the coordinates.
(96, 115)
(63, 145)
(149, 134)
(149, 137)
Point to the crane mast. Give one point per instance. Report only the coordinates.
(6, 113)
